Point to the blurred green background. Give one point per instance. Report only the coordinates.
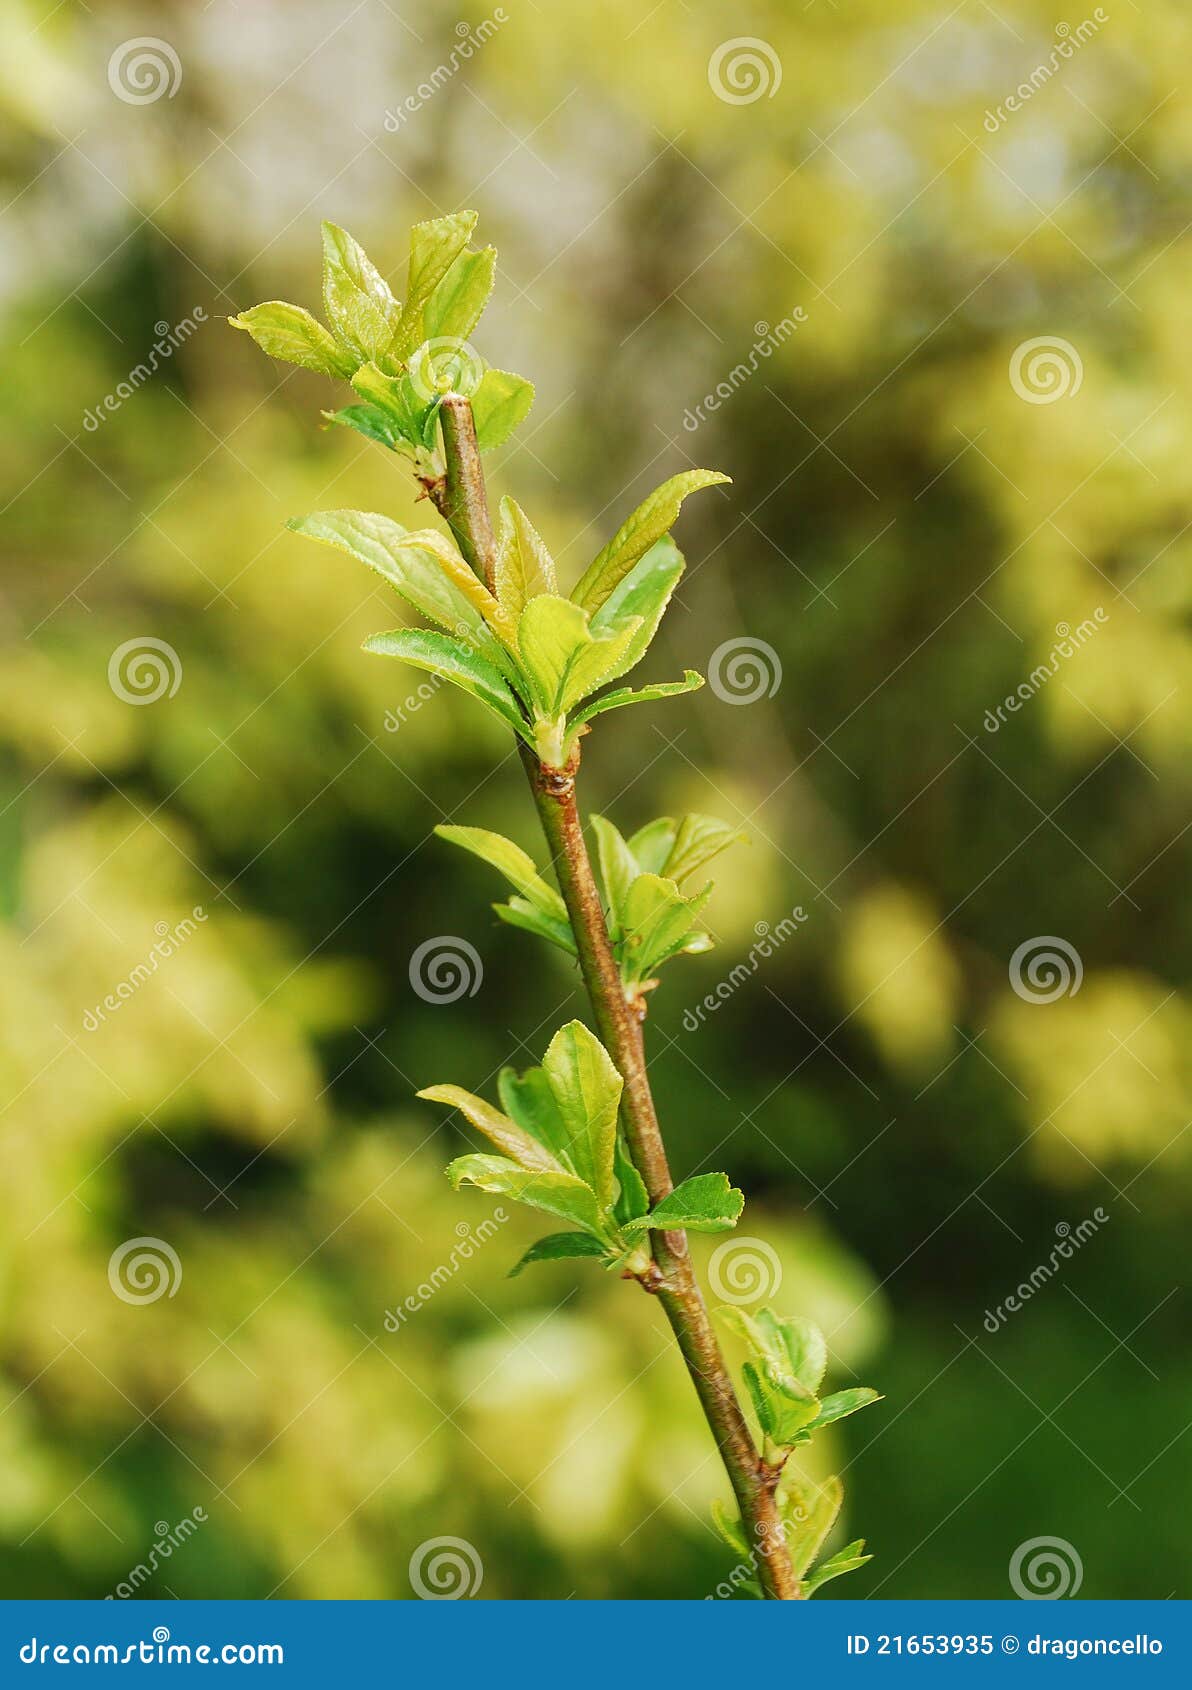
(906, 529)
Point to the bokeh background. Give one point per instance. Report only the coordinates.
(908, 525)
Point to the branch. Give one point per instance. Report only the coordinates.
(463, 501)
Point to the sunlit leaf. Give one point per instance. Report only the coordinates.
(524, 566)
(562, 1195)
(504, 1133)
(648, 523)
(457, 304)
(362, 311)
(557, 1247)
(499, 403)
(455, 663)
(292, 334)
(703, 1203)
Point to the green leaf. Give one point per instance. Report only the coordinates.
(634, 1200)
(697, 840)
(520, 913)
(730, 1529)
(511, 861)
(499, 403)
(656, 921)
(808, 1513)
(454, 663)
(292, 334)
(371, 421)
(412, 416)
(648, 523)
(563, 662)
(618, 870)
(456, 305)
(557, 1247)
(691, 682)
(652, 845)
(524, 566)
(531, 1101)
(843, 1403)
(703, 1203)
(434, 247)
(360, 308)
(504, 1133)
(562, 1195)
(407, 563)
(845, 1560)
(587, 1089)
(644, 593)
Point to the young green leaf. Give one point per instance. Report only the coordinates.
(415, 568)
(703, 1203)
(412, 416)
(697, 840)
(456, 305)
(843, 1403)
(656, 920)
(519, 912)
(530, 1100)
(730, 1529)
(434, 247)
(504, 1133)
(561, 1195)
(511, 861)
(499, 403)
(557, 1247)
(808, 1515)
(371, 421)
(455, 663)
(524, 566)
(633, 1200)
(587, 1089)
(649, 522)
(652, 845)
(292, 334)
(616, 700)
(642, 595)
(362, 311)
(845, 1560)
(618, 871)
